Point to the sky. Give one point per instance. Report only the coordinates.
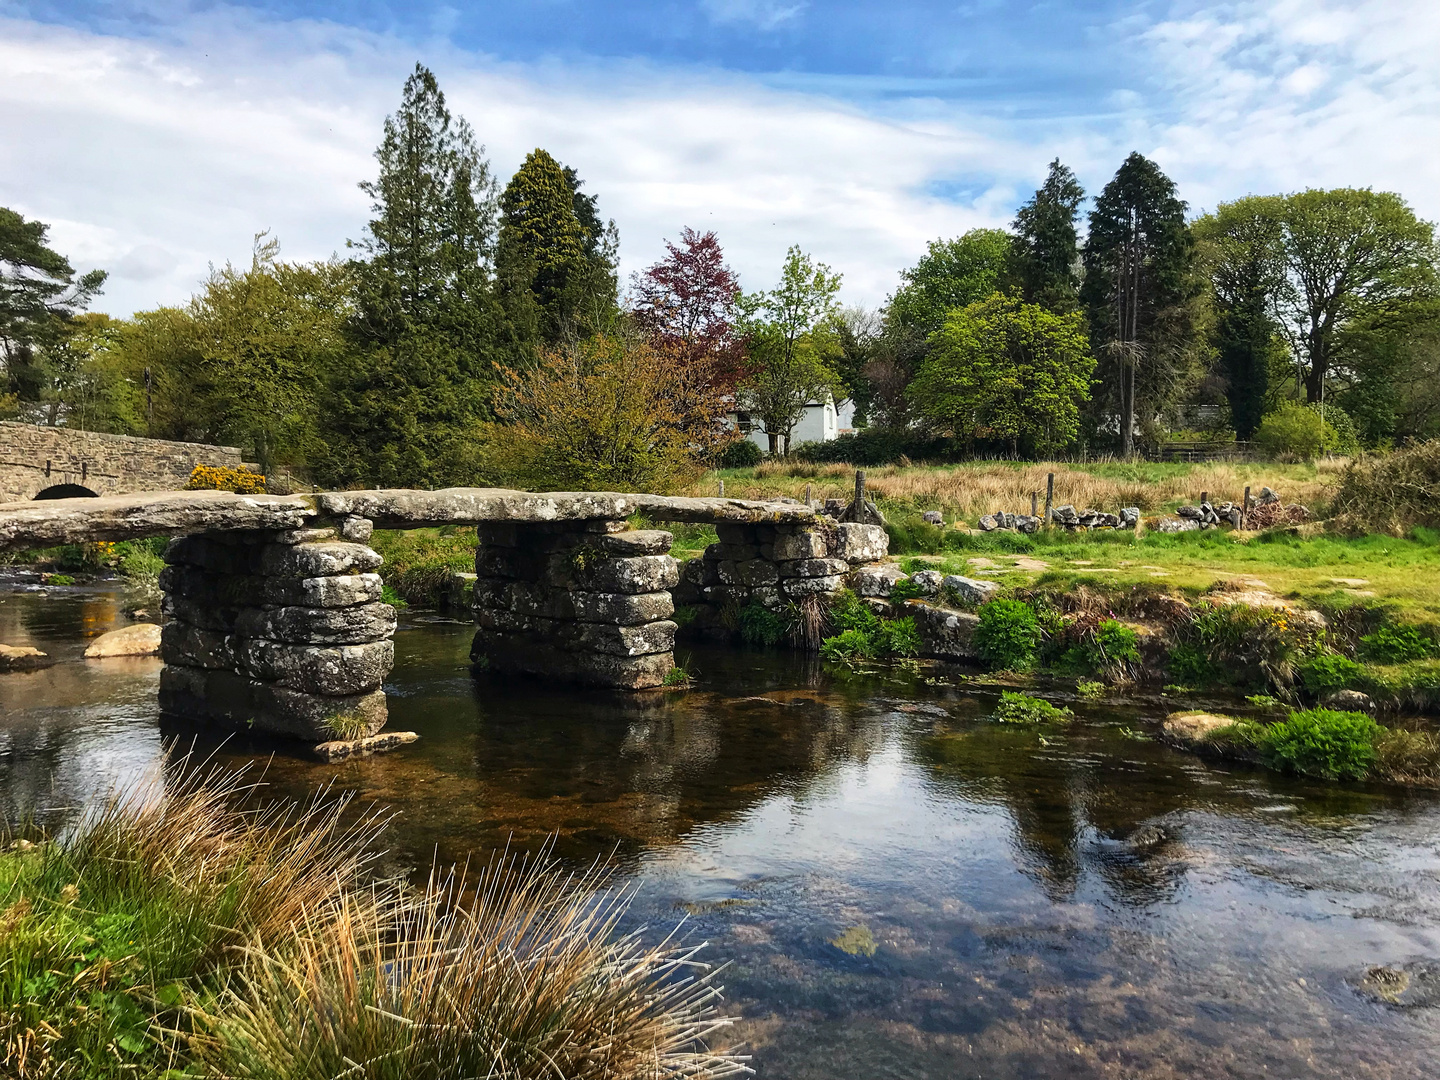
(157, 137)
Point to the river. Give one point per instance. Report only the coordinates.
(902, 888)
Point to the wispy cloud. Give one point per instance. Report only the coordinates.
(762, 14)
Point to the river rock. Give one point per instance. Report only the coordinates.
(141, 639)
(23, 658)
(340, 749)
(856, 543)
(1188, 728)
(1349, 701)
(944, 634)
(970, 590)
(876, 579)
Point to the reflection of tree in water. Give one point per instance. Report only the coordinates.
(1077, 802)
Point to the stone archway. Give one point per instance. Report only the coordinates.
(67, 491)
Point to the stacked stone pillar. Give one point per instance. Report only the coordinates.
(774, 565)
(277, 631)
(584, 601)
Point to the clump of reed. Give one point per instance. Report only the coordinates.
(174, 932)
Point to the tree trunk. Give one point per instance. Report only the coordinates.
(774, 437)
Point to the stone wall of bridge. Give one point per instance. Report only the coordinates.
(35, 459)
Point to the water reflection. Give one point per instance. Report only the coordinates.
(1070, 901)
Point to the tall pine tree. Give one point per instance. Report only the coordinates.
(1045, 251)
(1139, 292)
(428, 326)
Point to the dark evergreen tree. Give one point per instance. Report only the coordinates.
(1045, 251)
(1140, 294)
(428, 327)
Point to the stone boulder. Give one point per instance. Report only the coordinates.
(142, 639)
(1175, 525)
(970, 590)
(23, 658)
(856, 543)
(933, 517)
(1189, 728)
(1349, 701)
(928, 581)
(876, 579)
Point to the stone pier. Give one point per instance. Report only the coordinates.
(282, 631)
(588, 602)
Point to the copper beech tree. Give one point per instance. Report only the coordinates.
(610, 413)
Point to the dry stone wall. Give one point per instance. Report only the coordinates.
(585, 601)
(279, 630)
(774, 566)
(34, 458)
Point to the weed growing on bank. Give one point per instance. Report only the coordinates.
(1017, 708)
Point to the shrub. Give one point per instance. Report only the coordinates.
(899, 637)
(676, 676)
(1016, 708)
(213, 478)
(1008, 635)
(864, 635)
(905, 589)
(848, 646)
(1322, 742)
(1190, 666)
(141, 560)
(1391, 493)
(740, 454)
(1397, 645)
(1328, 671)
(1292, 430)
(878, 446)
(760, 626)
(1254, 647)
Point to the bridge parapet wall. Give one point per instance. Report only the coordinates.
(279, 630)
(34, 458)
(586, 601)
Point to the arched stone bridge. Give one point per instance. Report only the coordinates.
(276, 617)
(38, 462)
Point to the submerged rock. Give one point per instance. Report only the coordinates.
(340, 749)
(142, 639)
(1188, 728)
(1410, 986)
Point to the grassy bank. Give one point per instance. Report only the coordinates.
(173, 934)
(419, 562)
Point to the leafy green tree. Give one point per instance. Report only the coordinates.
(40, 296)
(1140, 293)
(428, 328)
(557, 263)
(1045, 251)
(1242, 246)
(1353, 256)
(951, 274)
(1006, 370)
(792, 346)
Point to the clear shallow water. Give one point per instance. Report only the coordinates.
(1017, 931)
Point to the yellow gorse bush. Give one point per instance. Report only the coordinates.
(220, 478)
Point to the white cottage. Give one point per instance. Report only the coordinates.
(823, 421)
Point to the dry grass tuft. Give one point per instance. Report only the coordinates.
(519, 974)
(1393, 492)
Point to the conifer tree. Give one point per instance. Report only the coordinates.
(427, 325)
(1045, 253)
(1139, 293)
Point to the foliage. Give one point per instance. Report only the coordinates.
(688, 303)
(1007, 370)
(1322, 742)
(1045, 251)
(1246, 646)
(419, 563)
(1242, 248)
(1140, 293)
(1327, 671)
(676, 676)
(905, 589)
(1295, 431)
(222, 478)
(40, 296)
(1398, 645)
(142, 559)
(427, 328)
(791, 345)
(1008, 635)
(607, 414)
(879, 446)
(951, 274)
(864, 635)
(1015, 708)
(1190, 665)
(1114, 647)
(1391, 493)
(740, 454)
(761, 626)
(1090, 690)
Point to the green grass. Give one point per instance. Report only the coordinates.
(419, 562)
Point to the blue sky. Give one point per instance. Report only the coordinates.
(158, 137)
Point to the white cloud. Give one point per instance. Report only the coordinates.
(154, 159)
(762, 14)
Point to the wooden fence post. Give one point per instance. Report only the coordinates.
(1034, 503)
(1049, 499)
(1245, 506)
